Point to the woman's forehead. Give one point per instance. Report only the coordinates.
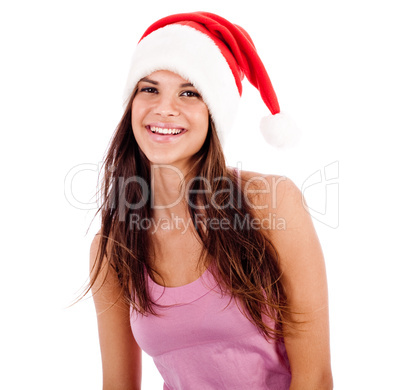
(166, 75)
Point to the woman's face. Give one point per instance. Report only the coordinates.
(169, 119)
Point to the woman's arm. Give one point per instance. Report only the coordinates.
(304, 278)
(121, 355)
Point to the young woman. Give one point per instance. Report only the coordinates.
(189, 264)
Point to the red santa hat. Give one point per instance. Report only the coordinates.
(214, 55)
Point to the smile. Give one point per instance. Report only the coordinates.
(165, 131)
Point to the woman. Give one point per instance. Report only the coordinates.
(189, 264)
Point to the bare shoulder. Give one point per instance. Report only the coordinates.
(105, 285)
(98, 267)
(93, 251)
(268, 193)
(277, 200)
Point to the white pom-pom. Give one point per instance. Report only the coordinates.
(280, 130)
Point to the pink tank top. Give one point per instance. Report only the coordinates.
(203, 342)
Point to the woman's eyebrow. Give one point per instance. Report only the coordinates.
(185, 85)
(149, 81)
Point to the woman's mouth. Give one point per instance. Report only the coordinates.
(164, 130)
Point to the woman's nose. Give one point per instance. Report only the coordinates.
(166, 106)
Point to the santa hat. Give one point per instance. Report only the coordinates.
(214, 55)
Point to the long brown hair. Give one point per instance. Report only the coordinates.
(244, 260)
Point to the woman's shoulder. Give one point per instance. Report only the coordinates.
(271, 192)
(94, 248)
(281, 208)
(99, 266)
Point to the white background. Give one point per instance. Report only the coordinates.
(336, 69)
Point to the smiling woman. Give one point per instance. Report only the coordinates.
(169, 119)
(187, 265)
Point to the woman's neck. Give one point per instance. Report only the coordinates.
(168, 189)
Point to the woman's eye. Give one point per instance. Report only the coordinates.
(191, 94)
(149, 90)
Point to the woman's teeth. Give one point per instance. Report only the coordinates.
(161, 130)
